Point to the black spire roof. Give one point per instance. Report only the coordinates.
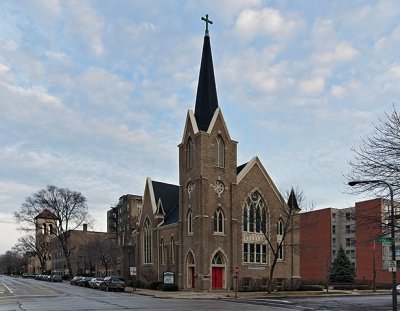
(206, 99)
(292, 201)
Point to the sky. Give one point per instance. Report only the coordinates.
(94, 94)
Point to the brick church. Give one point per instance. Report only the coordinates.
(222, 220)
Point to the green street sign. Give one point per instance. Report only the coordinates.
(384, 240)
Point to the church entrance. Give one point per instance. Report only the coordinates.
(191, 271)
(217, 277)
(218, 271)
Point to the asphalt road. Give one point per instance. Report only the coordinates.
(27, 294)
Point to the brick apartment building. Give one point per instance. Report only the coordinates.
(358, 229)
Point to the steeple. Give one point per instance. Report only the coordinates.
(206, 98)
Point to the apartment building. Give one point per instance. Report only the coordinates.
(361, 230)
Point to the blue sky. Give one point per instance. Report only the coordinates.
(94, 94)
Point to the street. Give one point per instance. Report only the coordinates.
(29, 294)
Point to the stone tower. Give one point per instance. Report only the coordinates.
(207, 174)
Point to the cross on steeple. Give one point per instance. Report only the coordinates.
(207, 22)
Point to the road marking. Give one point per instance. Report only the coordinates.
(11, 292)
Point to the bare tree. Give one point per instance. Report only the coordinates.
(103, 252)
(69, 208)
(284, 238)
(12, 262)
(36, 246)
(378, 157)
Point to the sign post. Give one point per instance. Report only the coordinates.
(133, 272)
(236, 276)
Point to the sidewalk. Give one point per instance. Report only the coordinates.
(225, 294)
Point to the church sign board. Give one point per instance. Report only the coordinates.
(169, 278)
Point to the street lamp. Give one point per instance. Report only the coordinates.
(394, 277)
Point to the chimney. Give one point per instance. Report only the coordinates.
(84, 227)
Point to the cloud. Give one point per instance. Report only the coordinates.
(265, 21)
(313, 86)
(83, 23)
(342, 52)
(104, 88)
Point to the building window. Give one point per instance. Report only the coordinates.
(350, 242)
(281, 251)
(245, 218)
(189, 154)
(172, 250)
(333, 229)
(254, 253)
(280, 228)
(219, 152)
(255, 214)
(351, 254)
(349, 216)
(147, 236)
(218, 259)
(189, 222)
(162, 251)
(219, 221)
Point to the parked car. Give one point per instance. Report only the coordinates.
(56, 278)
(113, 283)
(95, 282)
(84, 281)
(75, 280)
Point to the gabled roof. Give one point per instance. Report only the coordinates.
(46, 214)
(240, 167)
(206, 98)
(167, 198)
(245, 169)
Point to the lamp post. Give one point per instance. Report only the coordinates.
(394, 277)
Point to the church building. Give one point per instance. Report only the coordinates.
(224, 222)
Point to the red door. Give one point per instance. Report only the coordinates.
(192, 283)
(217, 277)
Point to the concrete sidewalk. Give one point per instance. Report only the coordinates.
(225, 294)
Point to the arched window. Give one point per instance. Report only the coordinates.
(147, 236)
(218, 259)
(280, 227)
(50, 229)
(219, 152)
(251, 218)
(258, 219)
(172, 250)
(264, 221)
(189, 222)
(219, 221)
(245, 218)
(162, 251)
(281, 250)
(44, 229)
(189, 154)
(255, 218)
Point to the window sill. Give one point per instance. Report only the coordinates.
(219, 234)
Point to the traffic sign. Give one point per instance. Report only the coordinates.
(392, 265)
(384, 240)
